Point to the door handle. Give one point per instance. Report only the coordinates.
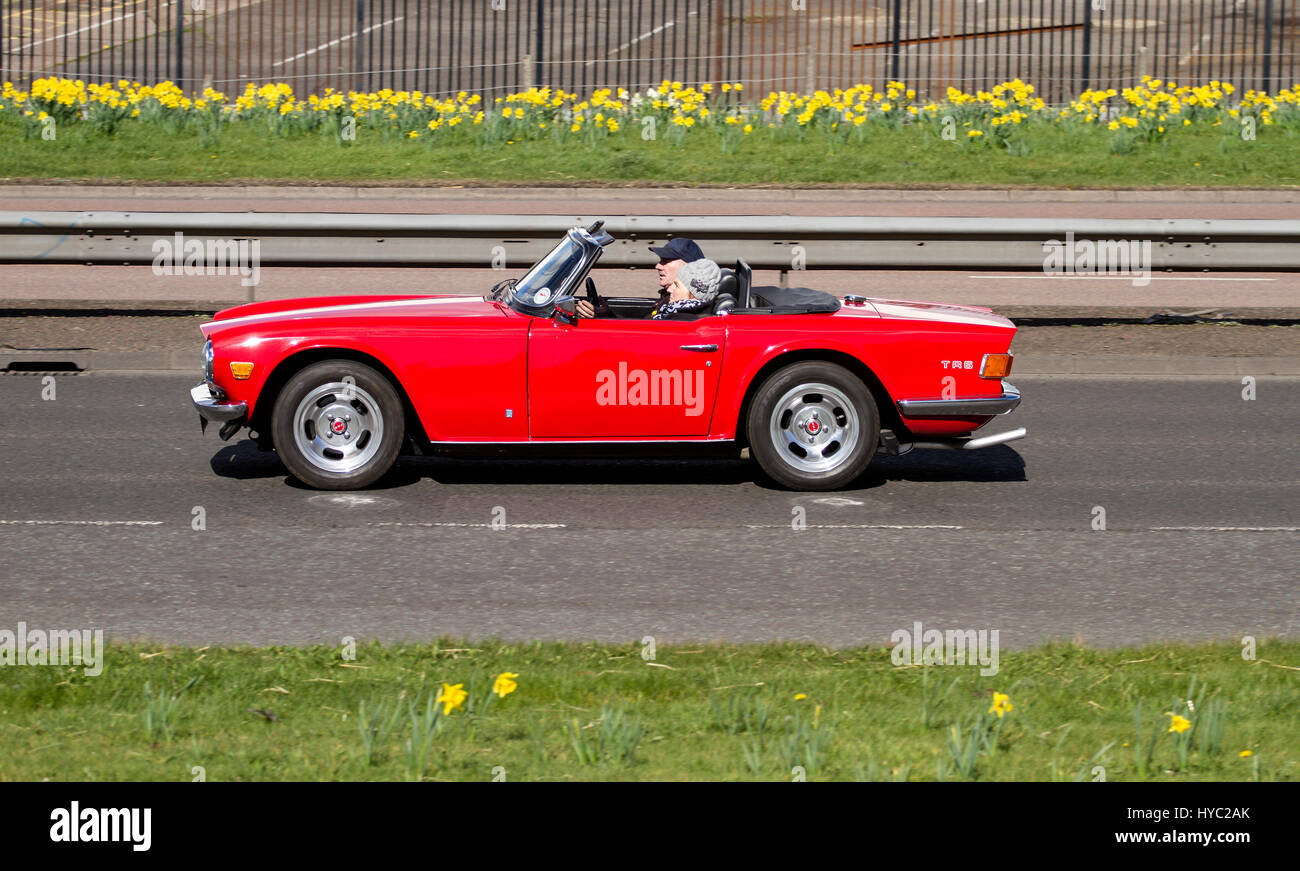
(705, 348)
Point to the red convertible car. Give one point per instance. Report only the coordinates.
(813, 385)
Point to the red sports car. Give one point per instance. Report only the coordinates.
(813, 385)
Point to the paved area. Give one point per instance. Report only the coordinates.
(1199, 489)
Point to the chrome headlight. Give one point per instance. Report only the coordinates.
(207, 360)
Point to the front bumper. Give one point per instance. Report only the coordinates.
(973, 407)
(213, 406)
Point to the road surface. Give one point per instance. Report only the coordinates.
(1199, 487)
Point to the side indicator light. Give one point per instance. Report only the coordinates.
(241, 371)
(996, 365)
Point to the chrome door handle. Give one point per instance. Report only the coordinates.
(705, 348)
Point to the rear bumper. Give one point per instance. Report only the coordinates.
(213, 406)
(973, 407)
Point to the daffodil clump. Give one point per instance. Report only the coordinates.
(670, 111)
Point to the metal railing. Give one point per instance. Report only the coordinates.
(487, 46)
(513, 242)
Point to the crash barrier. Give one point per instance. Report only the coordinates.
(514, 241)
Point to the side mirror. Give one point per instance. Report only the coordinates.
(567, 310)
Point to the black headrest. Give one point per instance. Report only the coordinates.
(728, 283)
(724, 302)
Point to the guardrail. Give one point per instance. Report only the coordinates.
(514, 241)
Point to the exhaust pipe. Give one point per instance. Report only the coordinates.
(970, 444)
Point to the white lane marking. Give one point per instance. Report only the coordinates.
(473, 525)
(352, 500)
(81, 523)
(335, 42)
(838, 501)
(1225, 528)
(1122, 277)
(65, 35)
(341, 308)
(854, 526)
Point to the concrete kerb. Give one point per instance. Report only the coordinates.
(640, 193)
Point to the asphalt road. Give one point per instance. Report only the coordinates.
(1200, 491)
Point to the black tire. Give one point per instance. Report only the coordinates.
(319, 447)
(821, 409)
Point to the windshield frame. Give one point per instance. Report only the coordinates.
(588, 248)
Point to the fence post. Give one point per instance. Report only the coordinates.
(897, 38)
(1268, 45)
(537, 53)
(1087, 44)
(526, 73)
(180, 44)
(809, 69)
(361, 45)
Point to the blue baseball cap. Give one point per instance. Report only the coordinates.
(680, 248)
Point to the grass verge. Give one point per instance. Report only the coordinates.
(1045, 157)
(602, 712)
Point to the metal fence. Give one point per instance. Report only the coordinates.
(485, 46)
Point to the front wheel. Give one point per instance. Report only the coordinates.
(813, 426)
(338, 425)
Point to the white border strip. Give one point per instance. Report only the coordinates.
(342, 308)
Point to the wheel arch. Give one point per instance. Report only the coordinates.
(885, 408)
(295, 363)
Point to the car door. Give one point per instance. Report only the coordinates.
(614, 378)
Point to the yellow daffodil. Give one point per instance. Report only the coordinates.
(1243, 754)
(505, 684)
(1001, 704)
(799, 697)
(451, 697)
(1178, 724)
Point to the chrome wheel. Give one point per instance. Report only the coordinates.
(814, 428)
(338, 427)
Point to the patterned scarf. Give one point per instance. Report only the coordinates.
(667, 310)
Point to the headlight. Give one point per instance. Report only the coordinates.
(207, 360)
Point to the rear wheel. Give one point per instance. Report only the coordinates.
(338, 425)
(813, 426)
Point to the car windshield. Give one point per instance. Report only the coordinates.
(541, 285)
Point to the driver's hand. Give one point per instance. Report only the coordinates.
(585, 309)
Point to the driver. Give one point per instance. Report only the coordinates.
(672, 257)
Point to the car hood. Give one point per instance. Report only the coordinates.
(318, 308)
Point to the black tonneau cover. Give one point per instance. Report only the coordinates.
(791, 300)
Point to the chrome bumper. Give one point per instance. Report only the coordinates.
(215, 407)
(973, 407)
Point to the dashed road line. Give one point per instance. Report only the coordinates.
(81, 523)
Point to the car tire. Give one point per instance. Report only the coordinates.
(338, 425)
(813, 426)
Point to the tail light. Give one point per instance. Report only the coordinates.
(996, 365)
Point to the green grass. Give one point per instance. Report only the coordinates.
(591, 711)
(1055, 157)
